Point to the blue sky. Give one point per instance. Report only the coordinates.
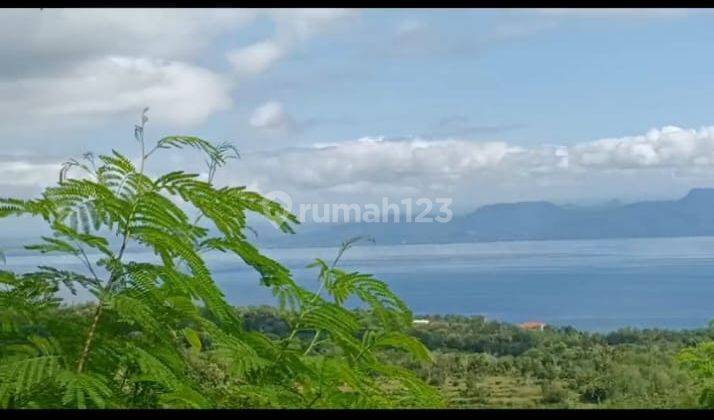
(612, 75)
(354, 105)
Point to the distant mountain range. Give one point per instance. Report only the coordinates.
(692, 215)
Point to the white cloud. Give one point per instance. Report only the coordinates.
(178, 93)
(272, 116)
(77, 67)
(24, 175)
(667, 147)
(50, 35)
(474, 172)
(293, 27)
(27, 173)
(382, 161)
(662, 161)
(255, 58)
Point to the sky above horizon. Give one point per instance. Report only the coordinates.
(349, 106)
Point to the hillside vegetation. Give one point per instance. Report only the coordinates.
(489, 364)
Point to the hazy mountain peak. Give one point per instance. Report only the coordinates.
(700, 195)
(692, 215)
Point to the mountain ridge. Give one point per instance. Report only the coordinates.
(690, 215)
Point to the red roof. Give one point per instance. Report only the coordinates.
(532, 325)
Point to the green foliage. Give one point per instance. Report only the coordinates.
(480, 363)
(699, 361)
(160, 333)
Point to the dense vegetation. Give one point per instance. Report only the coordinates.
(160, 333)
(491, 364)
(480, 363)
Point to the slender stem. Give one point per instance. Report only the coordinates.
(155, 148)
(107, 289)
(143, 148)
(115, 275)
(312, 343)
(90, 338)
(85, 259)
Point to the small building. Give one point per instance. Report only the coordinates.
(532, 326)
(420, 322)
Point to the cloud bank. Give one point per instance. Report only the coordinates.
(72, 67)
(182, 94)
(479, 172)
(472, 173)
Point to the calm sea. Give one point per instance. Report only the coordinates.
(589, 284)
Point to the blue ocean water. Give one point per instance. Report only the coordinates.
(595, 285)
(592, 284)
